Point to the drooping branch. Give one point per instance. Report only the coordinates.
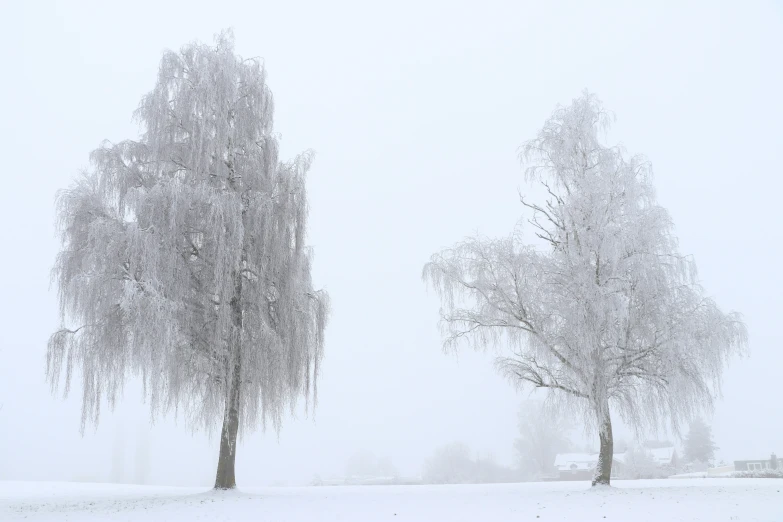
(539, 376)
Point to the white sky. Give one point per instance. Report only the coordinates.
(415, 112)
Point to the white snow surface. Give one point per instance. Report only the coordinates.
(627, 501)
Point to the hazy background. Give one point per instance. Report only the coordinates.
(415, 111)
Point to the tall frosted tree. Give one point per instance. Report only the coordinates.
(184, 260)
(602, 310)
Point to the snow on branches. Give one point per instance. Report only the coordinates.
(183, 254)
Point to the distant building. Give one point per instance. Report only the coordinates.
(759, 464)
(581, 466)
(664, 457)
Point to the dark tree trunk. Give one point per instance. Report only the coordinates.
(226, 478)
(603, 470)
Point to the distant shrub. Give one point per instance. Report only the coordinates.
(759, 473)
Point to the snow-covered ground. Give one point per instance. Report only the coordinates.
(628, 501)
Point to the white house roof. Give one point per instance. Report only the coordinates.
(563, 458)
(662, 456)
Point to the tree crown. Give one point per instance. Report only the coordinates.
(607, 309)
(184, 252)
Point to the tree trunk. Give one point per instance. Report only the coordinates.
(226, 478)
(603, 470)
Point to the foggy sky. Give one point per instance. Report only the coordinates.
(415, 113)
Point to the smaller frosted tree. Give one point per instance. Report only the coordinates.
(698, 444)
(365, 464)
(605, 312)
(542, 435)
(450, 464)
(639, 463)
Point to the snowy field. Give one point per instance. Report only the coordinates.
(631, 501)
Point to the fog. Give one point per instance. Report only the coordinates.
(416, 113)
